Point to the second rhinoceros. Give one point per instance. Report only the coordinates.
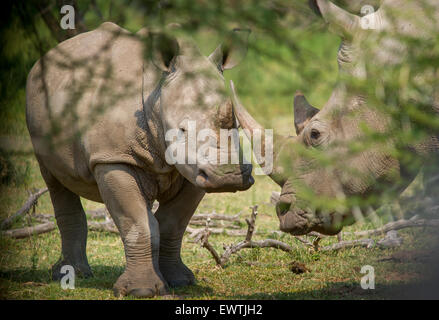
(98, 109)
(349, 153)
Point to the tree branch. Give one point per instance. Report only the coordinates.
(247, 243)
(29, 204)
(29, 231)
(397, 225)
(215, 216)
(368, 243)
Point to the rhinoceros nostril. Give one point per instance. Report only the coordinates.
(202, 173)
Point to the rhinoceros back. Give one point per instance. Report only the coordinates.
(84, 105)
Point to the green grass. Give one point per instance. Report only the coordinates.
(25, 264)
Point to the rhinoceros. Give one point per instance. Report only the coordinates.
(324, 198)
(98, 109)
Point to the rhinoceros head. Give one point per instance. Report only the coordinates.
(197, 114)
(326, 172)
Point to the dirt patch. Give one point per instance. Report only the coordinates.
(298, 267)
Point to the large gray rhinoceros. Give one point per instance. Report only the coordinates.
(98, 108)
(363, 105)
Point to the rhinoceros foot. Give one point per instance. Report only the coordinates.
(177, 274)
(82, 269)
(140, 284)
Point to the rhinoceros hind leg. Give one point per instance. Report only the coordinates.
(72, 224)
(173, 217)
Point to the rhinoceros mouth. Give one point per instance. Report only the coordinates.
(299, 222)
(212, 182)
(293, 222)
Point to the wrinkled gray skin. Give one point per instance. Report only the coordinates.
(101, 136)
(339, 123)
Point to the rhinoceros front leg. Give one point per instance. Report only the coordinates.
(120, 189)
(173, 217)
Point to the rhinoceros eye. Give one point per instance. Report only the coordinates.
(315, 134)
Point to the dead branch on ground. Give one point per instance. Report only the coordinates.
(247, 243)
(107, 226)
(21, 233)
(397, 225)
(215, 216)
(368, 243)
(28, 205)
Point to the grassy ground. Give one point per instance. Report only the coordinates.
(25, 264)
(266, 87)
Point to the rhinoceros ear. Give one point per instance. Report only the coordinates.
(232, 51)
(303, 112)
(164, 49)
(314, 7)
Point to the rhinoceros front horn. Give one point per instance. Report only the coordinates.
(251, 128)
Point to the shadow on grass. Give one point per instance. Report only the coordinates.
(416, 290)
(333, 291)
(103, 276)
(106, 276)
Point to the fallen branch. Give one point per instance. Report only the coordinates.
(205, 243)
(98, 213)
(251, 224)
(314, 243)
(247, 243)
(215, 216)
(368, 243)
(29, 204)
(196, 233)
(397, 225)
(214, 224)
(29, 231)
(304, 241)
(43, 217)
(107, 226)
(267, 243)
(391, 240)
(26, 232)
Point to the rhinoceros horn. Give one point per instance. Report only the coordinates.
(250, 125)
(340, 21)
